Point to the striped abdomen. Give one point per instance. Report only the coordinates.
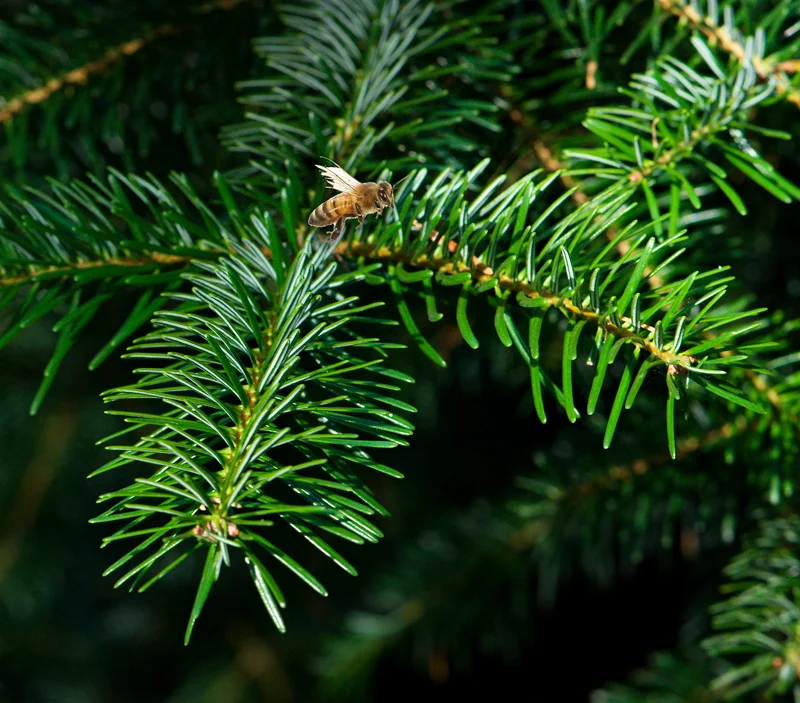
(343, 205)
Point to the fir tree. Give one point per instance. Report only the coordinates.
(576, 334)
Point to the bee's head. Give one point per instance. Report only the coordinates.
(386, 193)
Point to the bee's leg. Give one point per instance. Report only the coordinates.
(334, 234)
(338, 229)
(360, 215)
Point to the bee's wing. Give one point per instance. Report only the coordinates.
(339, 179)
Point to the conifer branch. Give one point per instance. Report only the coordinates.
(271, 381)
(450, 243)
(387, 104)
(70, 249)
(721, 36)
(481, 273)
(263, 375)
(551, 164)
(759, 616)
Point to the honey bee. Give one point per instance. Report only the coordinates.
(355, 200)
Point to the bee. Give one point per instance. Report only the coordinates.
(355, 200)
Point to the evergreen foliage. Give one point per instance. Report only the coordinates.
(588, 192)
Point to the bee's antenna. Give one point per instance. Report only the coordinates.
(331, 160)
(394, 187)
(394, 190)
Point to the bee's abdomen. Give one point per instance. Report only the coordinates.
(331, 210)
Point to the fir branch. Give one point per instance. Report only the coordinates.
(266, 384)
(685, 115)
(679, 86)
(731, 41)
(481, 274)
(359, 92)
(758, 622)
(679, 118)
(488, 247)
(70, 250)
(144, 263)
(551, 164)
